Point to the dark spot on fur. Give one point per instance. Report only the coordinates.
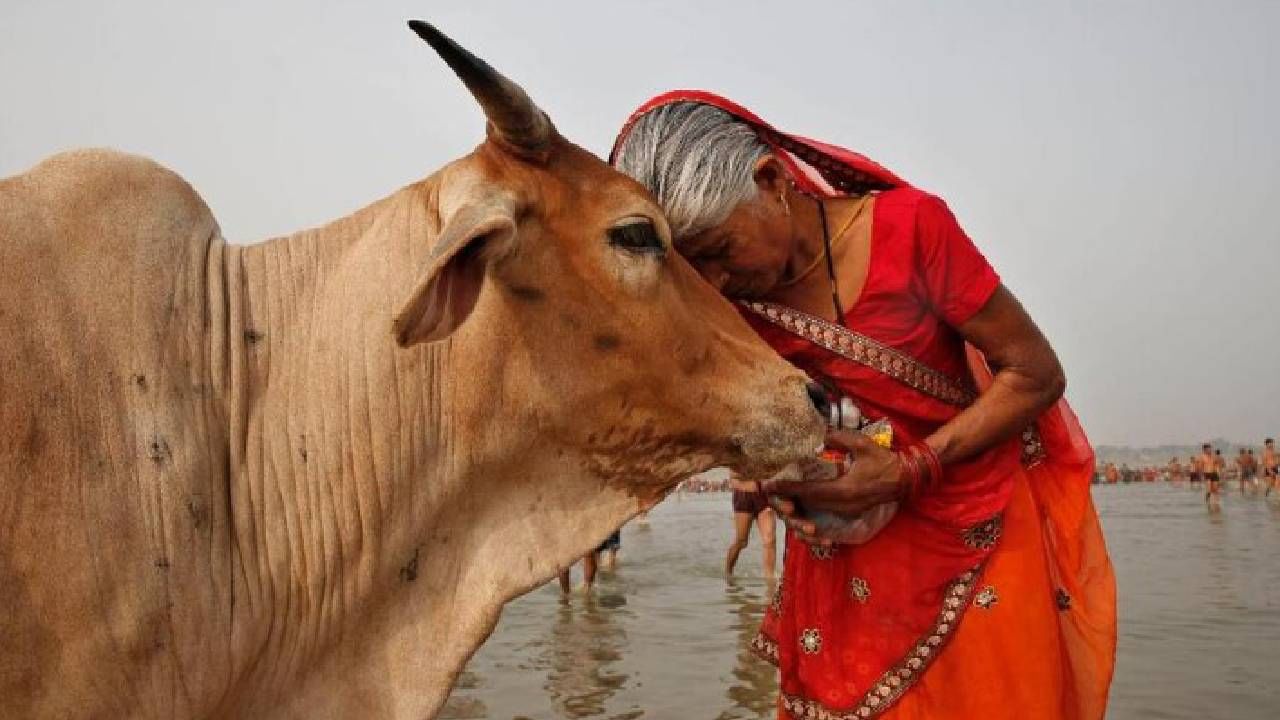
(139, 381)
(199, 513)
(527, 293)
(409, 572)
(570, 321)
(34, 441)
(31, 673)
(606, 342)
(158, 450)
(252, 336)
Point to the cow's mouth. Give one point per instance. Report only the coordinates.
(765, 454)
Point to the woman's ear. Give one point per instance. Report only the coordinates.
(771, 177)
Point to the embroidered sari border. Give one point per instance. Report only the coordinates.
(764, 648)
(895, 682)
(866, 352)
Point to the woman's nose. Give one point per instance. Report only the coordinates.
(712, 273)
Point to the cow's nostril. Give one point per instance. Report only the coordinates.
(818, 396)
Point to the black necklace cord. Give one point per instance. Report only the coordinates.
(831, 263)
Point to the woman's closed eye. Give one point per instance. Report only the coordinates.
(716, 249)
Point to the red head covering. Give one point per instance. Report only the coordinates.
(816, 167)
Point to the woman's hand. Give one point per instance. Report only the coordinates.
(874, 477)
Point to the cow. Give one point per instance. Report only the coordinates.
(301, 478)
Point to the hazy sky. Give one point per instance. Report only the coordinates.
(1115, 160)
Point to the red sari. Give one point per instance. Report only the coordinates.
(991, 597)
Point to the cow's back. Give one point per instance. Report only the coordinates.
(112, 447)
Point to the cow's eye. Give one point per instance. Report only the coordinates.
(638, 237)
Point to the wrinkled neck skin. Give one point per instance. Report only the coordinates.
(385, 502)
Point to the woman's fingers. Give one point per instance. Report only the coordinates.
(803, 529)
(811, 490)
(783, 506)
(791, 517)
(850, 440)
(808, 532)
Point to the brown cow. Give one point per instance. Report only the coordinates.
(301, 478)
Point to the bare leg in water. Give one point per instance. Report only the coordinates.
(588, 573)
(741, 534)
(766, 526)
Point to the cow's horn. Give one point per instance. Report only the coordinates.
(515, 119)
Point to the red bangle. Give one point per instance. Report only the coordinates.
(910, 473)
(934, 464)
(921, 470)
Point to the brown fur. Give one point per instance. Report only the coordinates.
(225, 489)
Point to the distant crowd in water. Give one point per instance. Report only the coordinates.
(702, 484)
(1252, 472)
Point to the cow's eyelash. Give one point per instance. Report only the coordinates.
(637, 237)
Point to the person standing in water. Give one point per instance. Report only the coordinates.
(591, 562)
(608, 550)
(1208, 463)
(1269, 466)
(1248, 469)
(1111, 473)
(750, 505)
(588, 574)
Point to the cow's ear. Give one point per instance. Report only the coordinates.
(448, 287)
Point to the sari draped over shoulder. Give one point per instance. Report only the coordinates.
(993, 595)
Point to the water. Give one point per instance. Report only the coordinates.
(1199, 603)
(665, 636)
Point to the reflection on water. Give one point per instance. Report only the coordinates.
(755, 684)
(665, 636)
(585, 645)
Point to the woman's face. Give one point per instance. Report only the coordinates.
(746, 255)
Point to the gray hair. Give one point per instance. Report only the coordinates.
(697, 160)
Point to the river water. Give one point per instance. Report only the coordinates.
(665, 635)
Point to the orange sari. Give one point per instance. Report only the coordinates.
(991, 597)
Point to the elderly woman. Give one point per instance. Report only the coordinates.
(989, 592)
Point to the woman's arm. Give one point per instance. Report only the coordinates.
(1028, 380)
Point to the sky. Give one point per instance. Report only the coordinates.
(1116, 161)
